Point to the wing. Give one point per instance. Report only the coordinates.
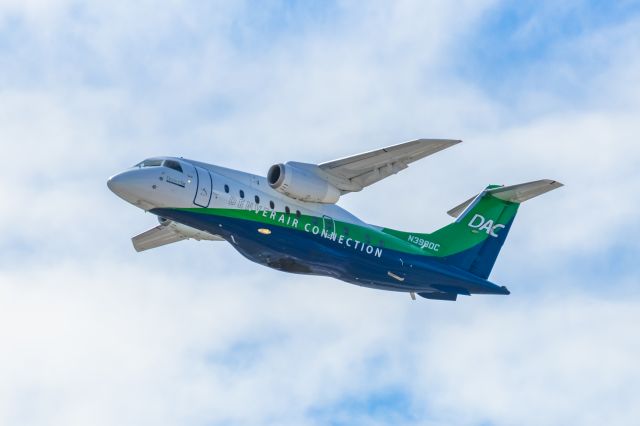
(156, 237)
(354, 173)
(168, 233)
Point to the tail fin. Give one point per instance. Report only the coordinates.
(474, 240)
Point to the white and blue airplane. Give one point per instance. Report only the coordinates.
(289, 220)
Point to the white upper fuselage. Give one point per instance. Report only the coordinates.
(158, 183)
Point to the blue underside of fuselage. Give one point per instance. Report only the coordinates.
(299, 252)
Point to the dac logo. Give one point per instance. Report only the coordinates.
(481, 224)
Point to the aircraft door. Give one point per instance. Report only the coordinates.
(328, 224)
(204, 184)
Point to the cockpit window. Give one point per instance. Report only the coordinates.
(149, 163)
(172, 164)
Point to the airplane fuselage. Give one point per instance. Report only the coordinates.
(288, 234)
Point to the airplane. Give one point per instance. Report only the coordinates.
(289, 220)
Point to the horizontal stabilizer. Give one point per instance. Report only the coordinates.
(513, 194)
(455, 212)
(439, 296)
(451, 289)
(524, 191)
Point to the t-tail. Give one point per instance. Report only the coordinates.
(474, 240)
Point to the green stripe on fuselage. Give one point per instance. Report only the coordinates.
(315, 226)
(451, 239)
(485, 219)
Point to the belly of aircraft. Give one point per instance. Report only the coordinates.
(298, 252)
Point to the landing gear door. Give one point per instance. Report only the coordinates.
(204, 185)
(329, 225)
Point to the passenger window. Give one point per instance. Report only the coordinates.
(345, 231)
(298, 214)
(241, 193)
(287, 209)
(257, 199)
(272, 205)
(226, 189)
(172, 165)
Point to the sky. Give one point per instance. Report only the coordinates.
(193, 334)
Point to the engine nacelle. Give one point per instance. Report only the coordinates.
(299, 181)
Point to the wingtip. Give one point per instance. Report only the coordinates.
(449, 141)
(554, 183)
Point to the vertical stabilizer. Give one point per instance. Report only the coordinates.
(482, 224)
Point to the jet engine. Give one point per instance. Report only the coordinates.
(302, 182)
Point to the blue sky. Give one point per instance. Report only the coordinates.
(194, 334)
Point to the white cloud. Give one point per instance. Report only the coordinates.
(560, 361)
(193, 333)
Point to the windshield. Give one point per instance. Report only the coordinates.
(152, 162)
(156, 162)
(172, 164)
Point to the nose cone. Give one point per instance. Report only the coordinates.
(117, 184)
(135, 187)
